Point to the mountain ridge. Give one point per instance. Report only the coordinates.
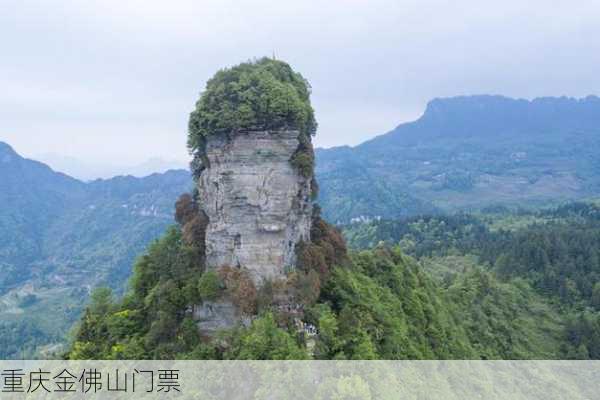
(468, 152)
(443, 105)
(6, 150)
(59, 237)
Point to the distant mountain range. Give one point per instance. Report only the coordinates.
(467, 153)
(59, 237)
(88, 171)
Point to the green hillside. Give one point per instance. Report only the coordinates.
(554, 253)
(378, 304)
(60, 237)
(468, 153)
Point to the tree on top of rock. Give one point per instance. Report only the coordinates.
(263, 94)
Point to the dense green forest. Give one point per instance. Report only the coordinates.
(448, 287)
(555, 252)
(265, 94)
(60, 237)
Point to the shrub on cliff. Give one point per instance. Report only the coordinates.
(240, 288)
(209, 286)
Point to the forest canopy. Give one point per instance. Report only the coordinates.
(262, 94)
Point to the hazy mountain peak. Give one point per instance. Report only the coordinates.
(475, 103)
(542, 111)
(494, 102)
(6, 152)
(89, 171)
(491, 116)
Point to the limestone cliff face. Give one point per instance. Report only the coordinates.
(258, 205)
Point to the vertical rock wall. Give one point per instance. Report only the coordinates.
(258, 205)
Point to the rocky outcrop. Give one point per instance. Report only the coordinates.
(258, 205)
(212, 316)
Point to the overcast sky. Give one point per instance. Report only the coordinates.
(113, 81)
